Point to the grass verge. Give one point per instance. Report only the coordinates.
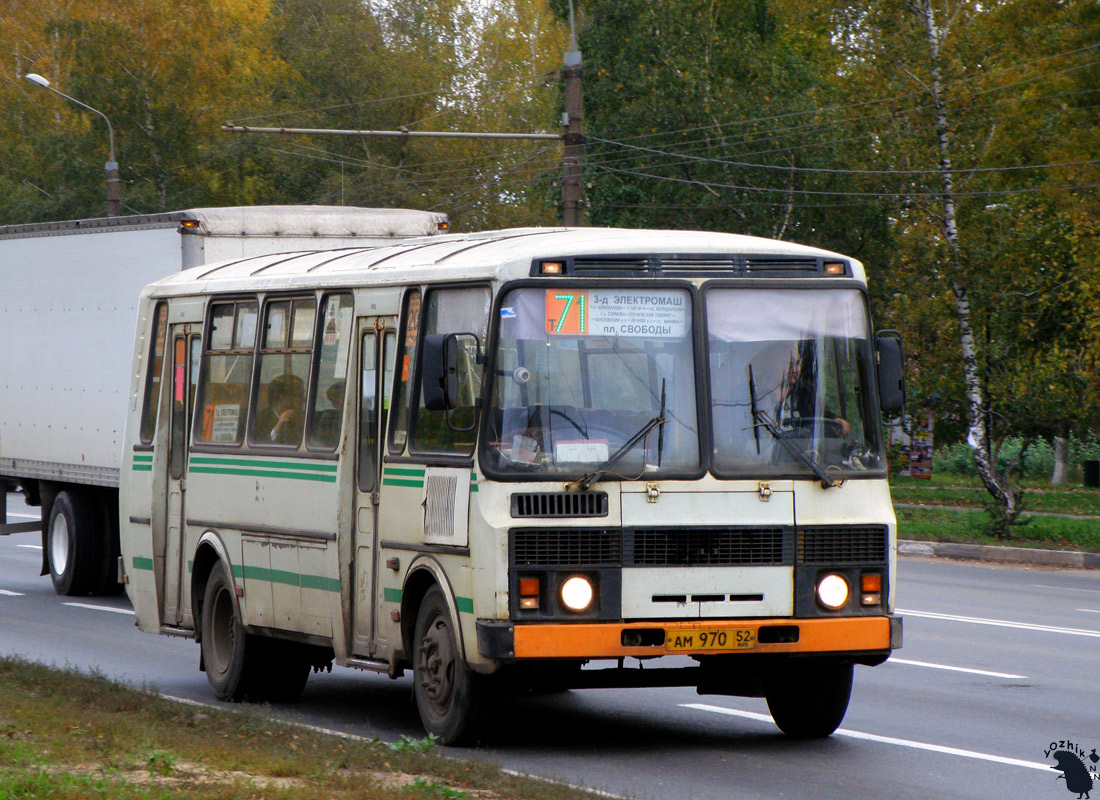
(66, 735)
(966, 492)
(945, 524)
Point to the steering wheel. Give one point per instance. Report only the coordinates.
(805, 426)
(559, 413)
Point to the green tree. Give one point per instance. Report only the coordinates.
(972, 124)
(714, 114)
(162, 72)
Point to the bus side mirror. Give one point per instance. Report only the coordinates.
(891, 372)
(440, 371)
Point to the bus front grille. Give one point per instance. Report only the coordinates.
(652, 547)
(557, 547)
(857, 544)
(708, 547)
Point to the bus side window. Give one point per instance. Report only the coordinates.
(285, 356)
(226, 373)
(327, 412)
(464, 311)
(406, 355)
(154, 364)
(368, 413)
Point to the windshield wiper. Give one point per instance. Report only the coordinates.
(762, 418)
(596, 474)
(590, 478)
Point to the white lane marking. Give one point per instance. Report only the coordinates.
(8, 593)
(1064, 588)
(870, 737)
(100, 608)
(893, 660)
(25, 516)
(30, 546)
(1001, 623)
(1090, 610)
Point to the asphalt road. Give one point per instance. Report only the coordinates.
(998, 663)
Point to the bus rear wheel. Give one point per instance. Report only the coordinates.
(229, 654)
(809, 700)
(449, 697)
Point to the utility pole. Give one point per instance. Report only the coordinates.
(572, 185)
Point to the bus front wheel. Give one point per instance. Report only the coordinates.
(808, 700)
(448, 695)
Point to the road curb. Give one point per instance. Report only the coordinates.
(990, 552)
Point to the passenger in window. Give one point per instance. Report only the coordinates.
(327, 427)
(281, 421)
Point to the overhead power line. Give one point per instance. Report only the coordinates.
(833, 192)
(835, 171)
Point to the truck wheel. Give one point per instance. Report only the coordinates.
(73, 544)
(106, 582)
(229, 653)
(449, 697)
(808, 700)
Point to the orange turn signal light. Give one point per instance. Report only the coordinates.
(528, 587)
(551, 268)
(870, 582)
(835, 268)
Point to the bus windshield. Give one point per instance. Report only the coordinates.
(791, 373)
(585, 377)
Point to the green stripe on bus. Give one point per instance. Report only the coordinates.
(295, 464)
(141, 457)
(391, 595)
(397, 482)
(143, 467)
(465, 605)
(287, 578)
(411, 473)
(143, 563)
(259, 473)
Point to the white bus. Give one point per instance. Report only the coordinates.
(514, 460)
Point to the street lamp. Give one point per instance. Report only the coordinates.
(114, 203)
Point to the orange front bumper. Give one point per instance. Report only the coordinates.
(605, 639)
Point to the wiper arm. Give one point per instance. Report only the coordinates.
(596, 474)
(754, 408)
(771, 427)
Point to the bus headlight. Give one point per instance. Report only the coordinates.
(832, 591)
(577, 593)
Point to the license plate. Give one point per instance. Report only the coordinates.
(724, 639)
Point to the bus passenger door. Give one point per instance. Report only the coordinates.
(377, 345)
(185, 365)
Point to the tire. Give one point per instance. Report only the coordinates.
(808, 700)
(230, 655)
(450, 698)
(74, 544)
(286, 670)
(106, 582)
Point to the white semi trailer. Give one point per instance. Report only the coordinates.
(68, 303)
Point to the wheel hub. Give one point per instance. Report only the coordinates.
(59, 544)
(435, 666)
